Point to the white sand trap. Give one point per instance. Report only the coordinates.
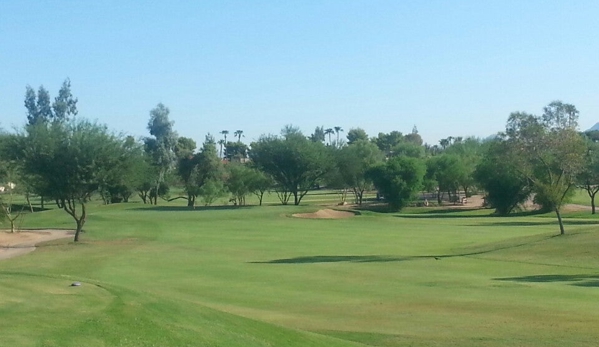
(326, 214)
(23, 242)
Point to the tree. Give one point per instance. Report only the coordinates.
(294, 163)
(338, 129)
(238, 133)
(318, 135)
(65, 105)
(162, 146)
(9, 176)
(398, 180)
(329, 131)
(211, 190)
(236, 151)
(353, 162)
(497, 173)
(70, 160)
(260, 183)
(550, 152)
(224, 133)
(118, 183)
(446, 170)
(386, 142)
(40, 109)
(588, 178)
(414, 137)
(204, 167)
(356, 134)
(242, 180)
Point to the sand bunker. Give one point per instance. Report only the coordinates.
(326, 214)
(15, 244)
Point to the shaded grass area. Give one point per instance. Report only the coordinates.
(252, 276)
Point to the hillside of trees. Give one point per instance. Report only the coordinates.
(67, 160)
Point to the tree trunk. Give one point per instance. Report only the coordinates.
(561, 223)
(42, 200)
(80, 223)
(593, 204)
(29, 202)
(260, 197)
(190, 201)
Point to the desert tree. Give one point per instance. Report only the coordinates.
(71, 159)
(161, 147)
(294, 163)
(550, 152)
(399, 180)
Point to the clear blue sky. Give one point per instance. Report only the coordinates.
(450, 67)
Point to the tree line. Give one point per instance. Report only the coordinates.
(68, 160)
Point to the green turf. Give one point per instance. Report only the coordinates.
(254, 276)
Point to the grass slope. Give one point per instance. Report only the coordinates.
(253, 276)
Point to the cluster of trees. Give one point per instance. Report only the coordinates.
(68, 160)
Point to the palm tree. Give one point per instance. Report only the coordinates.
(221, 142)
(238, 133)
(225, 133)
(329, 131)
(338, 129)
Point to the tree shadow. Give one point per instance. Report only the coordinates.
(341, 258)
(581, 280)
(25, 208)
(538, 223)
(191, 209)
(387, 258)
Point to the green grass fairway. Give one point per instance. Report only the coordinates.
(254, 276)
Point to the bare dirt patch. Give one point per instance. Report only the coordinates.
(23, 242)
(325, 214)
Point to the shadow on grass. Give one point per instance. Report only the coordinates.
(582, 280)
(537, 223)
(338, 259)
(459, 213)
(25, 208)
(387, 258)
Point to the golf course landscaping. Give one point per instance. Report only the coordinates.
(256, 276)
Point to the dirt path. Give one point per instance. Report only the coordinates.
(15, 244)
(325, 214)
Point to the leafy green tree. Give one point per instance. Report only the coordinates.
(447, 171)
(236, 151)
(386, 142)
(239, 181)
(353, 163)
(118, 183)
(356, 134)
(414, 137)
(407, 149)
(399, 180)
(70, 159)
(469, 152)
(550, 152)
(294, 162)
(65, 105)
(204, 167)
(259, 184)
(211, 190)
(497, 173)
(161, 147)
(40, 109)
(588, 178)
(318, 135)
